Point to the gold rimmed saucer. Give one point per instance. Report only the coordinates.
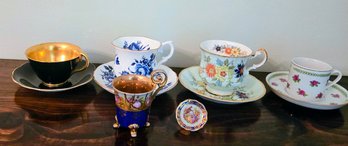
(251, 89)
(25, 76)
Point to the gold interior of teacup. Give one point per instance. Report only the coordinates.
(53, 52)
(133, 84)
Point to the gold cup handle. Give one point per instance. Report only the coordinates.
(257, 53)
(84, 66)
(160, 78)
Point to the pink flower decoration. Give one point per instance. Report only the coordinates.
(296, 78)
(320, 95)
(274, 84)
(335, 95)
(118, 98)
(282, 80)
(136, 104)
(314, 83)
(301, 92)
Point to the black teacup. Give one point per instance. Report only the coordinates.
(55, 62)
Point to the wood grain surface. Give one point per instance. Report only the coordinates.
(84, 116)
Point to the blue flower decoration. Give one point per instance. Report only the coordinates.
(124, 73)
(239, 71)
(166, 86)
(108, 75)
(142, 67)
(135, 46)
(241, 95)
(117, 60)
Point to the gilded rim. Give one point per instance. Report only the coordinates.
(207, 51)
(54, 85)
(119, 91)
(212, 99)
(59, 45)
(141, 37)
(198, 104)
(111, 90)
(53, 89)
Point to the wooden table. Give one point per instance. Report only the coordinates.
(84, 116)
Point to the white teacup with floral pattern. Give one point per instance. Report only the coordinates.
(308, 78)
(138, 55)
(222, 65)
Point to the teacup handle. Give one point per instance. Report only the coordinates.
(159, 77)
(257, 53)
(84, 66)
(339, 76)
(165, 58)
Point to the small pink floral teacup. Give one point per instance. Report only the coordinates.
(308, 78)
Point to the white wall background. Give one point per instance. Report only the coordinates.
(286, 28)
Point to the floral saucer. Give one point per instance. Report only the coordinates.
(334, 97)
(251, 89)
(24, 76)
(191, 115)
(104, 74)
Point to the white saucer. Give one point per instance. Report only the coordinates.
(25, 76)
(334, 97)
(251, 89)
(104, 75)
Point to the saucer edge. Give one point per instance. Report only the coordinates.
(222, 101)
(49, 90)
(300, 102)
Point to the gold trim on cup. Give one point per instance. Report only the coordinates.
(158, 43)
(59, 58)
(238, 45)
(53, 52)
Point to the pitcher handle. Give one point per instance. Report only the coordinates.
(166, 58)
(84, 66)
(159, 77)
(339, 76)
(257, 53)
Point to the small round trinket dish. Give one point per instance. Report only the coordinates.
(191, 115)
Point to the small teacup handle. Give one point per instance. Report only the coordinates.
(257, 53)
(84, 66)
(339, 76)
(166, 58)
(159, 77)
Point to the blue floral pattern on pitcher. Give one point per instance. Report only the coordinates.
(137, 46)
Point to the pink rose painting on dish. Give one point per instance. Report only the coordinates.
(301, 92)
(314, 83)
(296, 78)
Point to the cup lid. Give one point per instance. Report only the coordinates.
(191, 115)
